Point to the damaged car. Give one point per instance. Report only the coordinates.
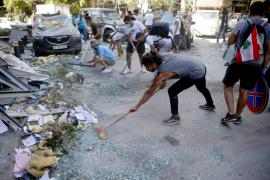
(55, 34)
(108, 20)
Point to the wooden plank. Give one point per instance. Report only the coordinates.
(13, 124)
(43, 113)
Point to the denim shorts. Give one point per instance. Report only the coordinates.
(140, 48)
(109, 61)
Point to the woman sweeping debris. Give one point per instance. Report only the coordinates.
(190, 71)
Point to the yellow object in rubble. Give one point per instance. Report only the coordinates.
(103, 135)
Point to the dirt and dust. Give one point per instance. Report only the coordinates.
(139, 147)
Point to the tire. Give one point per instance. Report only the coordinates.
(106, 36)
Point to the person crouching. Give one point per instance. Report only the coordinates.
(102, 55)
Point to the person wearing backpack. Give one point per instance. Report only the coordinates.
(252, 56)
(159, 38)
(157, 43)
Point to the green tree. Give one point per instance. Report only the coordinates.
(14, 6)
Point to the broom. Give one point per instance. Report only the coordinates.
(102, 134)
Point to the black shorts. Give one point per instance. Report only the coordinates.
(246, 73)
(140, 48)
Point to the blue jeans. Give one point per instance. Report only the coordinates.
(84, 34)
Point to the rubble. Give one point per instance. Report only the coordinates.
(50, 122)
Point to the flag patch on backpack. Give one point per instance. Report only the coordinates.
(252, 48)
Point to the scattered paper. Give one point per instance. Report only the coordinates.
(30, 141)
(33, 118)
(21, 160)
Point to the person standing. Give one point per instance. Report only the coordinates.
(137, 16)
(223, 25)
(176, 30)
(248, 72)
(22, 17)
(149, 19)
(82, 28)
(96, 34)
(188, 70)
(135, 27)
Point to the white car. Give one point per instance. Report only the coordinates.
(206, 22)
(6, 23)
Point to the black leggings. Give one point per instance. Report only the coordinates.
(185, 83)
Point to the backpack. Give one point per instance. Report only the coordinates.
(160, 29)
(253, 45)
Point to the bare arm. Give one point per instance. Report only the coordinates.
(153, 48)
(267, 58)
(231, 39)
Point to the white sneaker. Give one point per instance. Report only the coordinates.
(127, 71)
(107, 70)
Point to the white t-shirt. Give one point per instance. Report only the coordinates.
(177, 19)
(137, 27)
(149, 19)
(165, 44)
(139, 18)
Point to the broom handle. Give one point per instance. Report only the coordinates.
(122, 117)
(119, 119)
(85, 51)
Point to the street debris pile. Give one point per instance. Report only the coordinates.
(45, 134)
(32, 101)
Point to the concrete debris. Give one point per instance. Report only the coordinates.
(5, 47)
(74, 78)
(21, 69)
(3, 127)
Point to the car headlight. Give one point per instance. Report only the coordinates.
(116, 27)
(78, 35)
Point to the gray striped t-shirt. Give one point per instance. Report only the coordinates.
(183, 66)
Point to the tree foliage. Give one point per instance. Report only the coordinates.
(28, 5)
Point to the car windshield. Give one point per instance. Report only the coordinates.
(110, 15)
(205, 15)
(52, 21)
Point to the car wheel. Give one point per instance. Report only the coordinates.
(107, 35)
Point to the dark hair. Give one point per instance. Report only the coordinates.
(88, 18)
(127, 18)
(257, 8)
(151, 58)
(139, 34)
(136, 11)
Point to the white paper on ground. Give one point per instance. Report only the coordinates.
(80, 116)
(21, 161)
(3, 127)
(32, 118)
(30, 141)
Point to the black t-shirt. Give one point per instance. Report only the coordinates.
(94, 28)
